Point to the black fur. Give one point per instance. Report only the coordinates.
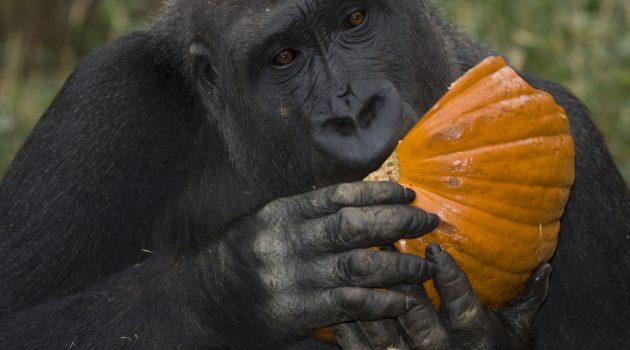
(150, 154)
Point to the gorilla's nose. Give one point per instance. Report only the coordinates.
(361, 124)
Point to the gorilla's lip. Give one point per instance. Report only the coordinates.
(410, 118)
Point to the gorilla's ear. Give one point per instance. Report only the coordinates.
(207, 75)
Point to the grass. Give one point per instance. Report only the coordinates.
(583, 44)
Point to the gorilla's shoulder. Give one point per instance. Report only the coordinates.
(137, 57)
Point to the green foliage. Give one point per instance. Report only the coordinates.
(583, 44)
(40, 43)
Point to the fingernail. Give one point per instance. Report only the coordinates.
(434, 221)
(410, 195)
(434, 249)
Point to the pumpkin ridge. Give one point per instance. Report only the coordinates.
(435, 237)
(491, 264)
(527, 230)
(465, 182)
(468, 79)
(483, 148)
(556, 211)
(509, 102)
(439, 110)
(494, 182)
(436, 198)
(496, 215)
(482, 259)
(489, 83)
(469, 132)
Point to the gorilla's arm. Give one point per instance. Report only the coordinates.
(297, 264)
(81, 198)
(588, 303)
(156, 305)
(80, 204)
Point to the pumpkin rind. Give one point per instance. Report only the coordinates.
(494, 158)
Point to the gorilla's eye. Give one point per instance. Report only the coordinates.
(285, 57)
(354, 20)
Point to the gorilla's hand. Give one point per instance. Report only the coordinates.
(301, 263)
(461, 323)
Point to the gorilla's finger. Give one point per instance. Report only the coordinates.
(352, 228)
(422, 324)
(383, 334)
(359, 194)
(523, 309)
(459, 301)
(366, 194)
(365, 268)
(359, 304)
(350, 336)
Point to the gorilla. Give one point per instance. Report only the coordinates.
(194, 186)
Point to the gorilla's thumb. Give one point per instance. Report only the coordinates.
(524, 307)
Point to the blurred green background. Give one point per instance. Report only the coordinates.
(583, 44)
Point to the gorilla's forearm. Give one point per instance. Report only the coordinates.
(163, 303)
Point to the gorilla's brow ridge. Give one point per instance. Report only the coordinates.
(256, 29)
(249, 33)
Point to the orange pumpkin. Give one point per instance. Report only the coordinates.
(494, 158)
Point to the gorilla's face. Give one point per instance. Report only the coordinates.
(329, 87)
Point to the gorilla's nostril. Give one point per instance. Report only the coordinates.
(368, 112)
(342, 125)
(344, 91)
(360, 125)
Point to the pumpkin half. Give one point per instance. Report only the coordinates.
(494, 158)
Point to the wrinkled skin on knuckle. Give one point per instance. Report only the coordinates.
(466, 312)
(269, 245)
(356, 266)
(352, 301)
(410, 265)
(323, 200)
(384, 218)
(360, 193)
(382, 334)
(424, 331)
(353, 222)
(449, 282)
(277, 274)
(417, 218)
(277, 210)
(272, 258)
(432, 338)
(347, 194)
